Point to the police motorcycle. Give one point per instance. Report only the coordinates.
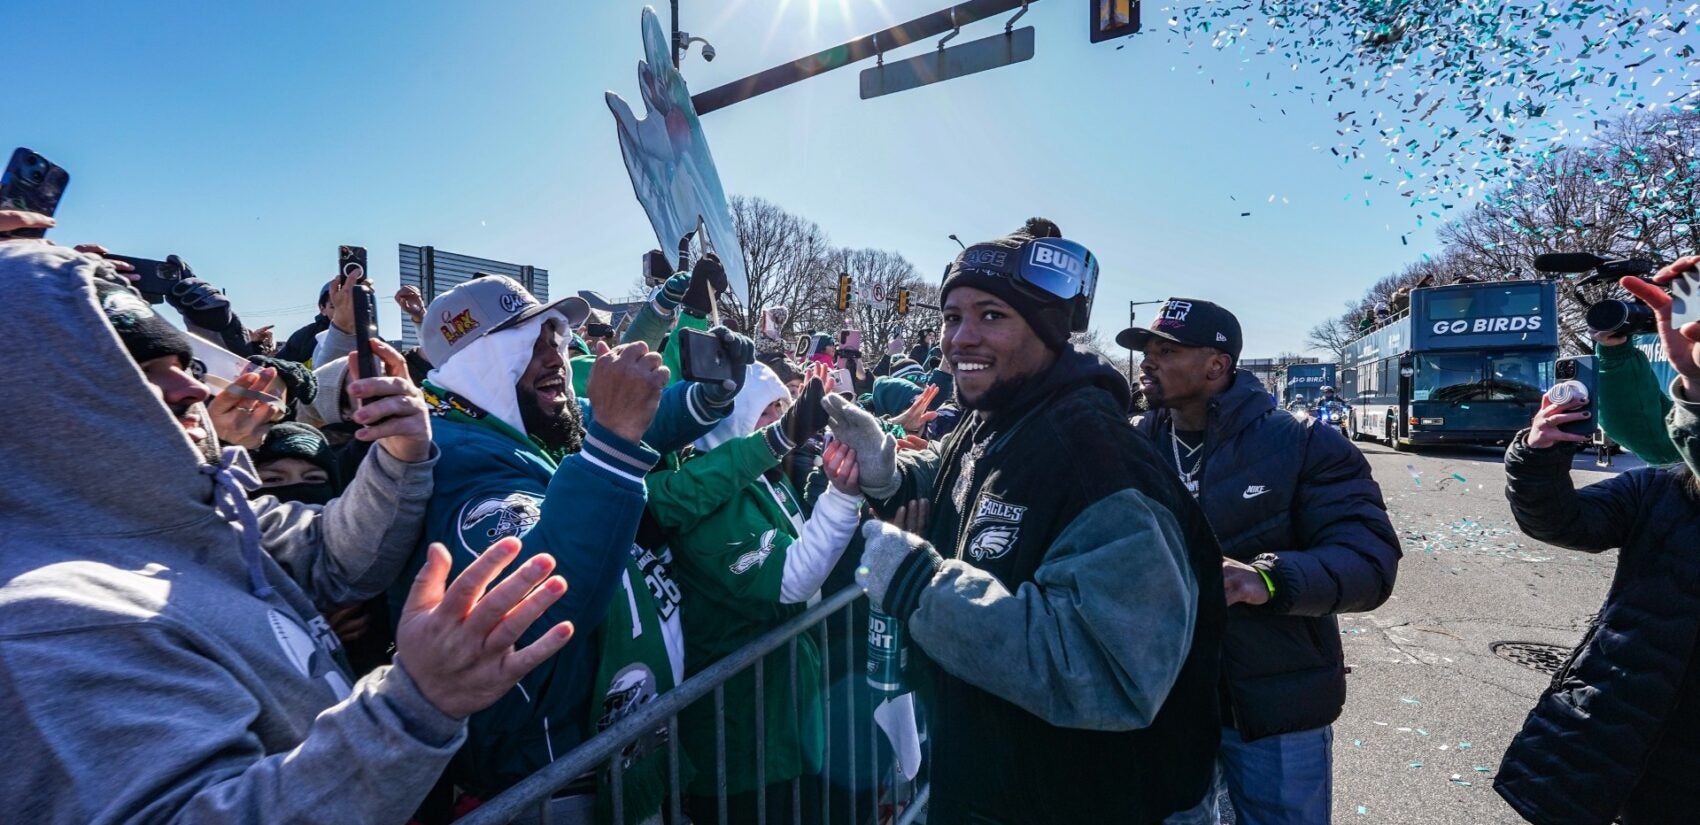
(1333, 412)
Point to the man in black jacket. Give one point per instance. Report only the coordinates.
(1304, 535)
(1069, 604)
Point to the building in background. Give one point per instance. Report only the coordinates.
(434, 272)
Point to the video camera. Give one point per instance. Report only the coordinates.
(1614, 316)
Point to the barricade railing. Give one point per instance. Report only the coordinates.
(891, 800)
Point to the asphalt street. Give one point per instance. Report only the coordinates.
(1431, 706)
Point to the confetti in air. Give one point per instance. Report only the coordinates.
(1447, 103)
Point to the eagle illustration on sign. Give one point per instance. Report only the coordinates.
(667, 156)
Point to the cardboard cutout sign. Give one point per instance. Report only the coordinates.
(667, 156)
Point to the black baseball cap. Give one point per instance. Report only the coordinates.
(1189, 322)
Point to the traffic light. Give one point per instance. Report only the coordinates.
(903, 302)
(843, 292)
(1113, 18)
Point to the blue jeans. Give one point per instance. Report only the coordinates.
(1286, 779)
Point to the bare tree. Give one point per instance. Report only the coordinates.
(787, 258)
(1632, 192)
(1336, 335)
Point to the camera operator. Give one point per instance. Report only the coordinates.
(1617, 734)
(1632, 406)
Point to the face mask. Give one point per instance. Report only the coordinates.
(300, 493)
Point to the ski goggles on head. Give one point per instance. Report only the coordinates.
(1046, 268)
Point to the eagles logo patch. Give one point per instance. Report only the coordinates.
(995, 527)
(482, 521)
(754, 558)
(992, 541)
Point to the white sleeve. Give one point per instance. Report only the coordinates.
(825, 535)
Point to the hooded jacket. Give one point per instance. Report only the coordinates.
(1615, 731)
(494, 480)
(1073, 616)
(1273, 484)
(160, 644)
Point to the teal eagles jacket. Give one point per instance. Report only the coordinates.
(492, 482)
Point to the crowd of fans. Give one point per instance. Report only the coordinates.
(286, 590)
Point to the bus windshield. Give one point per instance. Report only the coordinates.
(1519, 376)
(1448, 377)
(1476, 376)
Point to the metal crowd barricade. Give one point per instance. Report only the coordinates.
(893, 800)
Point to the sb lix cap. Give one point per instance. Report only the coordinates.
(483, 305)
(1189, 322)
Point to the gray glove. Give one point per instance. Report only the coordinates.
(896, 568)
(876, 450)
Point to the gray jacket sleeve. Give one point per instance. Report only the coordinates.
(354, 547)
(1095, 641)
(113, 737)
(1349, 552)
(333, 345)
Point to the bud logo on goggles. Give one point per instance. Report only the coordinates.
(1055, 258)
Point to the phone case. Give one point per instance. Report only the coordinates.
(701, 358)
(31, 183)
(1685, 300)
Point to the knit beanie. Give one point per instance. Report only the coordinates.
(299, 381)
(1048, 318)
(893, 395)
(908, 370)
(145, 335)
(292, 439)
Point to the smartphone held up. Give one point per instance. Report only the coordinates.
(31, 183)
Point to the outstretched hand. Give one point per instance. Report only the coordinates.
(841, 468)
(457, 642)
(1682, 346)
(914, 419)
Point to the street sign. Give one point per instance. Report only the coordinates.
(946, 64)
(872, 295)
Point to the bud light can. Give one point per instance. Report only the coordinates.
(1568, 392)
(888, 655)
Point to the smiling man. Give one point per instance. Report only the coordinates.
(1075, 658)
(524, 456)
(1304, 535)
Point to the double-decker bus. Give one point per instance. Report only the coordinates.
(1466, 364)
(1304, 382)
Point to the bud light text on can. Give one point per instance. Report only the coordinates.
(888, 655)
(1568, 392)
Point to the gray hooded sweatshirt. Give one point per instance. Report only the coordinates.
(156, 665)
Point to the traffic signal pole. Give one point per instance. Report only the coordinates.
(862, 48)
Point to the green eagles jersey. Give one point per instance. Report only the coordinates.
(730, 527)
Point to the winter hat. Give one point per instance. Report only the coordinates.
(761, 388)
(146, 335)
(1050, 319)
(292, 439)
(297, 379)
(908, 370)
(893, 395)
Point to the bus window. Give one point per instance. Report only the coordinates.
(1448, 377)
(1519, 376)
(1485, 302)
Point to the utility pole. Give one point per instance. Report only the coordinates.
(674, 40)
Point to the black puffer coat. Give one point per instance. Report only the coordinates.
(1274, 484)
(1614, 734)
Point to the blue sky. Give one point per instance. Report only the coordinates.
(253, 139)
